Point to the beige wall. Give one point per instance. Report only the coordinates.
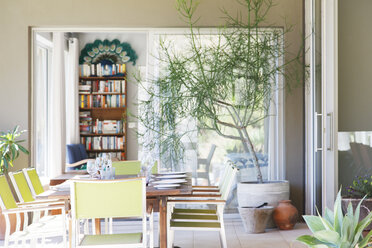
(16, 17)
(355, 66)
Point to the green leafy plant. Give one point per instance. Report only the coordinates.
(337, 230)
(226, 83)
(362, 186)
(10, 148)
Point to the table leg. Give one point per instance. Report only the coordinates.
(70, 232)
(98, 225)
(163, 222)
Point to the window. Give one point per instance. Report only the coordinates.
(267, 134)
(42, 72)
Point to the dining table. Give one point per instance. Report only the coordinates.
(157, 197)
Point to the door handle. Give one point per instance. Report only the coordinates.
(329, 131)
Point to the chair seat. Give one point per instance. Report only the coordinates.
(111, 239)
(194, 216)
(194, 211)
(194, 225)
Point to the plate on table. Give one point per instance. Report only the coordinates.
(61, 187)
(170, 176)
(167, 186)
(172, 173)
(170, 181)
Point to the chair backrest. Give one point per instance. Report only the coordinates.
(21, 187)
(155, 168)
(210, 154)
(230, 177)
(108, 198)
(75, 153)
(7, 200)
(33, 181)
(132, 167)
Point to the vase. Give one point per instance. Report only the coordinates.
(253, 194)
(255, 219)
(285, 215)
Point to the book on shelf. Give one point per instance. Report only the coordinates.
(102, 101)
(109, 127)
(118, 155)
(85, 122)
(100, 70)
(103, 143)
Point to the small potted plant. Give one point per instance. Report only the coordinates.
(361, 187)
(10, 149)
(336, 229)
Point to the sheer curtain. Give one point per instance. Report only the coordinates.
(72, 102)
(56, 116)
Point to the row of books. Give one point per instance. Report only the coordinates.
(118, 155)
(100, 70)
(102, 101)
(108, 126)
(107, 86)
(102, 143)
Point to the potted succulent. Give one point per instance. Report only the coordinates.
(10, 148)
(361, 188)
(338, 230)
(226, 86)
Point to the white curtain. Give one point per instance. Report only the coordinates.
(72, 94)
(56, 117)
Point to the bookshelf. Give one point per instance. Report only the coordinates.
(102, 114)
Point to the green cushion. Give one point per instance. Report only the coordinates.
(194, 211)
(195, 216)
(35, 180)
(22, 185)
(6, 194)
(195, 224)
(112, 239)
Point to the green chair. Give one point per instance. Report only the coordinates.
(35, 230)
(33, 181)
(124, 198)
(200, 219)
(131, 167)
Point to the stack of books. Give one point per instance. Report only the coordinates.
(102, 86)
(108, 127)
(85, 122)
(102, 101)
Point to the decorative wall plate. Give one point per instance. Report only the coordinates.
(107, 52)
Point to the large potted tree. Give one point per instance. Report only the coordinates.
(10, 149)
(226, 84)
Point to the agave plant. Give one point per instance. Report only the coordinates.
(10, 148)
(337, 230)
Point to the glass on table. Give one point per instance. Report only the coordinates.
(91, 168)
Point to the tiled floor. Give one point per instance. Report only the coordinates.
(236, 236)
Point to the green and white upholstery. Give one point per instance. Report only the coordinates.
(131, 167)
(124, 198)
(33, 181)
(35, 230)
(201, 219)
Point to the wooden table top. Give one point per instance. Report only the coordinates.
(184, 189)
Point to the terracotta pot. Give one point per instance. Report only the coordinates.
(285, 215)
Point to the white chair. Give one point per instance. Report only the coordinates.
(100, 199)
(200, 219)
(203, 171)
(34, 231)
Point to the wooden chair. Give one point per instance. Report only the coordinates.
(124, 198)
(204, 172)
(36, 230)
(200, 219)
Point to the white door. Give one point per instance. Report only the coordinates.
(321, 105)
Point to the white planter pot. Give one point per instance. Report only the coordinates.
(253, 194)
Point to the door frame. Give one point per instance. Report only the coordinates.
(329, 126)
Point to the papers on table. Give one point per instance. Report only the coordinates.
(168, 180)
